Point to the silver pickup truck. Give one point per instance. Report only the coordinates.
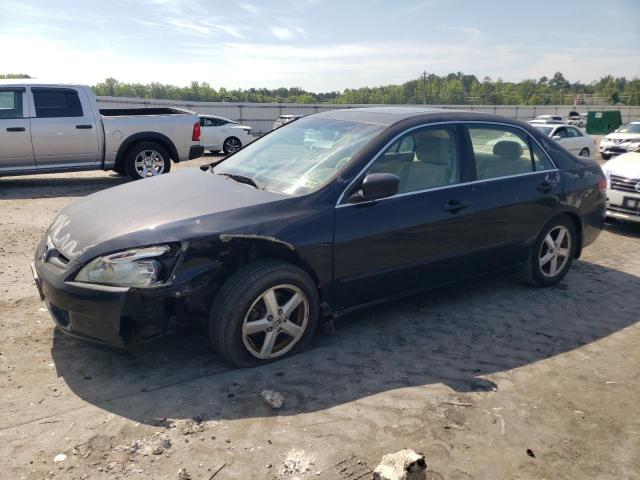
(47, 128)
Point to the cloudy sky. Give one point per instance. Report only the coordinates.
(319, 45)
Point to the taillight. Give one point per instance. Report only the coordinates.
(602, 185)
(196, 132)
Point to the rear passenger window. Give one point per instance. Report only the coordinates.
(56, 102)
(502, 152)
(10, 104)
(423, 159)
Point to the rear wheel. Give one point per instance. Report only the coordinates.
(265, 311)
(147, 159)
(231, 145)
(584, 152)
(605, 156)
(552, 253)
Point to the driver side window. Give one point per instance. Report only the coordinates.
(422, 159)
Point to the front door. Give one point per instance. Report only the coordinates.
(16, 151)
(63, 129)
(414, 239)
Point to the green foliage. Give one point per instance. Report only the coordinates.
(453, 89)
(10, 76)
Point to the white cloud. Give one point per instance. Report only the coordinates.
(282, 33)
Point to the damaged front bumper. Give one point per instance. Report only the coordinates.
(115, 316)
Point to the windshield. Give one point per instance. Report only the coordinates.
(630, 128)
(545, 130)
(301, 156)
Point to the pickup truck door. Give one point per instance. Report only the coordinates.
(16, 151)
(63, 128)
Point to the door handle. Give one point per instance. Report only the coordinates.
(84, 127)
(455, 206)
(15, 129)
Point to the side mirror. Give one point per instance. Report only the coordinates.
(376, 186)
(557, 137)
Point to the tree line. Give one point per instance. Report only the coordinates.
(454, 89)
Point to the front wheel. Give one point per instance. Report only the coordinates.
(265, 311)
(605, 156)
(231, 145)
(584, 152)
(552, 253)
(147, 159)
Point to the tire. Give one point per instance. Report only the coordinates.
(540, 273)
(147, 159)
(119, 169)
(231, 145)
(605, 156)
(242, 302)
(584, 152)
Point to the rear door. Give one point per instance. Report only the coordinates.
(16, 151)
(417, 238)
(63, 128)
(515, 194)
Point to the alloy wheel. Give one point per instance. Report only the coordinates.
(232, 145)
(149, 163)
(555, 251)
(275, 322)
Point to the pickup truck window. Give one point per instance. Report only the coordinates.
(10, 104)
(56, 102)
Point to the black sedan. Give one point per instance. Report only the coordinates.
(333, 212)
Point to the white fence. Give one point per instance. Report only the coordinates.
(260, 116)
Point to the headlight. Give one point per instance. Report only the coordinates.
(139, 267)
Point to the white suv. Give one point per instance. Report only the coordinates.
(623, 186)
(623, 140)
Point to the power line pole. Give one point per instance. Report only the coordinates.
(424, 87)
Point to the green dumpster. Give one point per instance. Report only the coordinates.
(601, 123)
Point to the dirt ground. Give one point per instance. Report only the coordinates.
(492, 380)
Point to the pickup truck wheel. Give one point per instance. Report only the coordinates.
(147, 159)
(265, 311)
(231, 145)
(584, 152)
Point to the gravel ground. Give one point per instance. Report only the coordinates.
(488, 380)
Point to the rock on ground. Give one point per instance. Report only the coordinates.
(403, 465)
(273, 399)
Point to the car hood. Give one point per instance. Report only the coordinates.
(149, 205)
(623, 136)
(626, 165)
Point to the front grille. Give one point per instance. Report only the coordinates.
(626, 211)
(624, 184)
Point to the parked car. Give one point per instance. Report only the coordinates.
(577, 119)
(623, 186)
(47, 128)
(545, 119)
(624, 139)
(219, 133)
(571, 138)
(282, 234)
(284, 119)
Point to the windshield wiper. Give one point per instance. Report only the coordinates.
(243, 179)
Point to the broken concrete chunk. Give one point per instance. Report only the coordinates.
(403, 465)
(183, 474)
(61, 457)
(274, 399)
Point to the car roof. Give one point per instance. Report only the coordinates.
(32, 82)
(214, 116)
(390, 115)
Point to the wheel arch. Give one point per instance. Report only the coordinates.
(136, 138)
(249, 248)
(577, 222)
